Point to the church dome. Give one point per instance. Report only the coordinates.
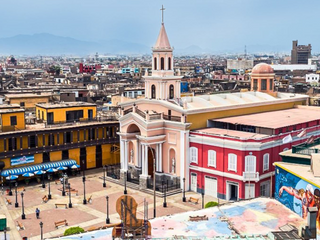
(262, 68)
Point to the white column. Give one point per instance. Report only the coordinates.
(182, 157)
(122, 153)
(158, 62)
(172, 63)
(187, 161)
(136, 155)
(166, 67)
(160, 157)
(146, 160)
(157, 157)
(126, 144)
(141, 163)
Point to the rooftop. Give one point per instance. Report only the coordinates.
(302, 171)
(28, 95)
(231, 133)
(275, 119)
(237, 99)
(65, 105)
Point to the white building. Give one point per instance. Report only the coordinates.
(312, 78)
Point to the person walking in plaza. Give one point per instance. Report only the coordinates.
(37, 213)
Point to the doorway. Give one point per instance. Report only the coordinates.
(232, 191)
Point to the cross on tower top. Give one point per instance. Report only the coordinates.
(162, 10)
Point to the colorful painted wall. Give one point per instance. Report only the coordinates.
(296, 193)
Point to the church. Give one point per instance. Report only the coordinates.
(156, 132)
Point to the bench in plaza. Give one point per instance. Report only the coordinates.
(198, 218)
(73, 191)
(45, 199)
(21, 189)
(89, 200)
(61, 223)
(8, 201)
(20, 226)
(193, 200)
(61, 205)
(93, 229)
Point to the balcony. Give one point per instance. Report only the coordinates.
(250, 176)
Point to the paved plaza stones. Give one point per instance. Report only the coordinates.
(85, 216)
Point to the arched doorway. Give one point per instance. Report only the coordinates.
(171, 90)
(151, 155)
(153, 91)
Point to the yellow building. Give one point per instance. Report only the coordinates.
(28, 100)
(91, 142)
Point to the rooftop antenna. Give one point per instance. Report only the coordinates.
(245, 51)
(162, 10)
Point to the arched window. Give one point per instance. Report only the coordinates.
(155, 63)
(169, 63)
(171, 92)
(153, 91)
(162, 63)
(232, 162)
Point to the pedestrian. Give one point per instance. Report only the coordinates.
(37, 213)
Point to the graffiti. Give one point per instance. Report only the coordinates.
(296, 193)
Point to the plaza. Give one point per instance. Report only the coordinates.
(88, 216)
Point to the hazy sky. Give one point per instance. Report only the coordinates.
(213, 24)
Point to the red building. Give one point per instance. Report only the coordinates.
(234, 158)
(88, 68)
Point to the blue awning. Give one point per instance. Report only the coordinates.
(34, 168)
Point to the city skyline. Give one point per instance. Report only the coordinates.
(219, 26)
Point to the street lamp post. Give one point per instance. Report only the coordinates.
(84, 185)
(104, 177)
(125, 182)
(5, 234)
(63, 185)
(108, 219)
(10, 191)
(70, 203)
(164, 187)
(184, 190)
(16, 204)
(49, 189)
(43, 185)
(41, 232)
(23, 216)
(202, 200)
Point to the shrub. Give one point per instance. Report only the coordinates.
(73, 230)
(211, 204)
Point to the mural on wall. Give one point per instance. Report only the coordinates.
(296, 193)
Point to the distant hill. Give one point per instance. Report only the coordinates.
(48, 44)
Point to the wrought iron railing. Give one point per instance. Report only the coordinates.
(113, 171)
(129, 110)
(307, 148)
(164, 185)
(172, 118)
(155, 116)
(141, 113)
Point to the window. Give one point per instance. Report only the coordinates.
(169, 63)
(155, 63)
(264, 84)
(270, 84)
(22, 104)
(194, 155)
(153, 91)
(171, 92)
(13, 120)
(232, 162)
(255, 84)
(250, 164)
(212, 158)
(162, 63)
(266, 162)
